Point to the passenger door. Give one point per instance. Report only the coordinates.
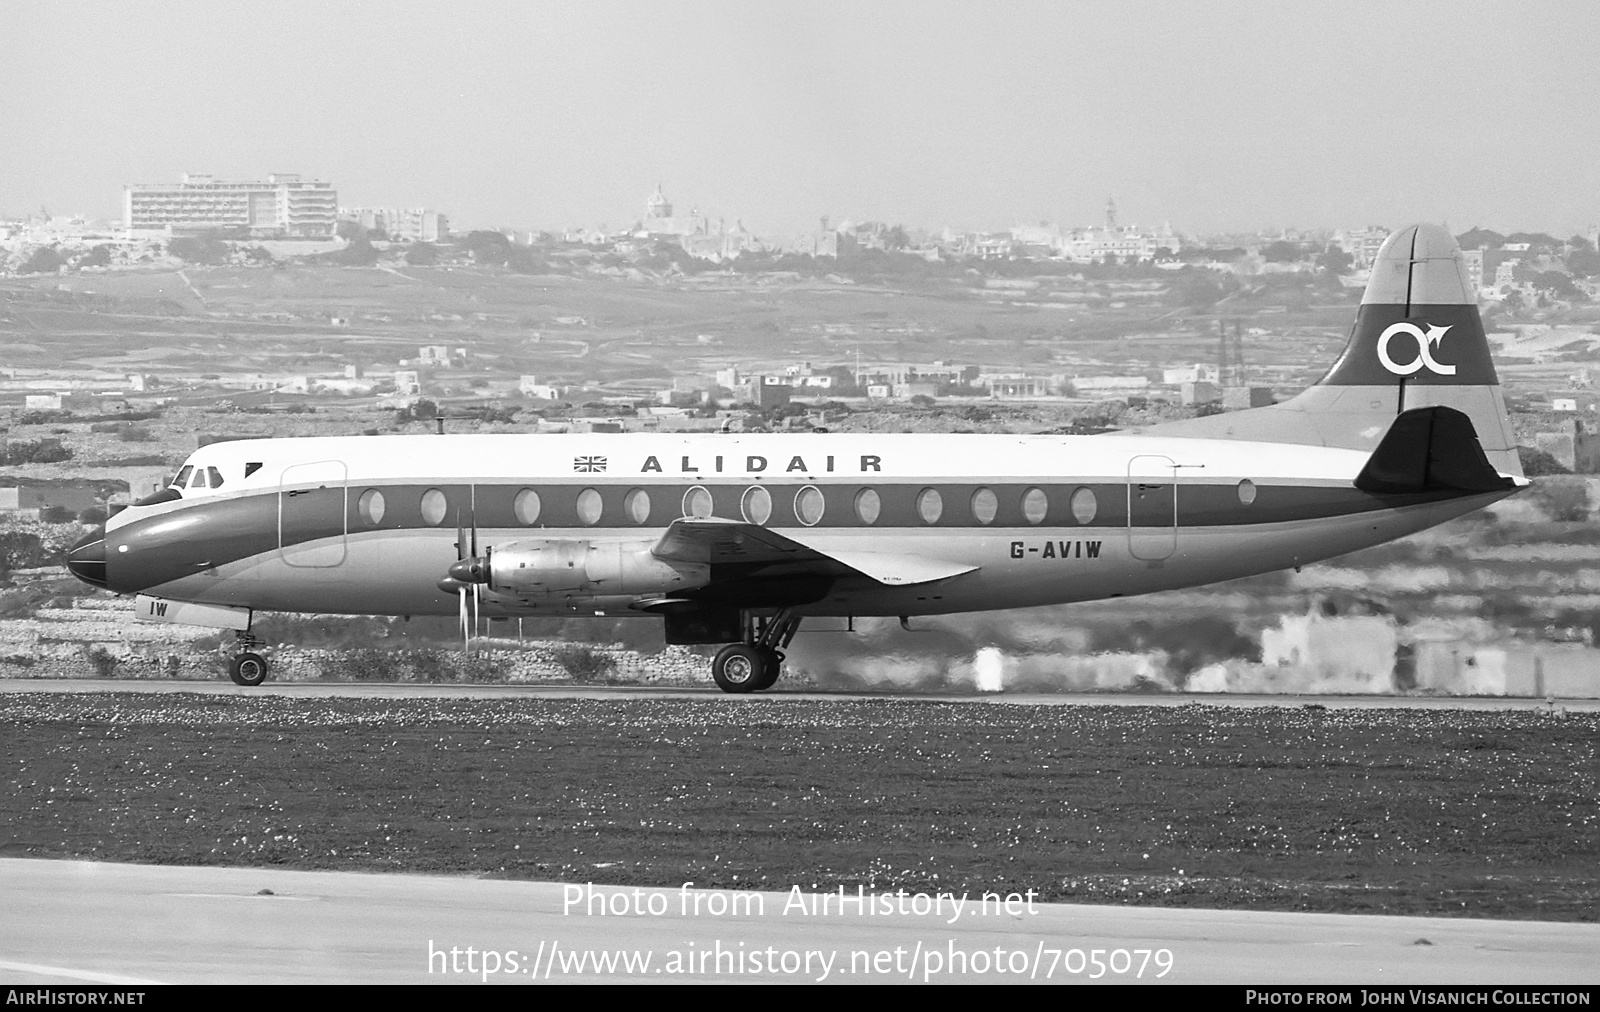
(311, 514)
(1152, 507)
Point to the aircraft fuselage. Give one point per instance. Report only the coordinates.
(370, 525)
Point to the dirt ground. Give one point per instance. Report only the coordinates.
(1434, 812)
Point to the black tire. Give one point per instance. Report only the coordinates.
(771, 668)
(738, 668)
(247, 669)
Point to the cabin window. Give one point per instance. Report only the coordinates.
(756, 505)
(868, 506)
(589, 507)
(697, 502)
(370, 506)
(1035, 504)
(930, 505)
(1084, 505)
(1247, 492)
(183, 476)
(434, 507)
(636, 504)
(808, 505)
(216, 477)
(985, 504)
(252, 467)
(526, 507)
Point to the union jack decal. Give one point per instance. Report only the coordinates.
(590, 464)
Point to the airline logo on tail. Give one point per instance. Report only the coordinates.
(1424, 360)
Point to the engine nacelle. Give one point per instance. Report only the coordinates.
(606, 567)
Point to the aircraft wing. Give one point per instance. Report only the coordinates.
(715, 540)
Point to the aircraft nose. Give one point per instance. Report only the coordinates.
(87, 558)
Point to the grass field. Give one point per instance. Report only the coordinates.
(1400, 811)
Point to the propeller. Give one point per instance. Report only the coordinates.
(468, 575)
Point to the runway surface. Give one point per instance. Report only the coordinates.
(411, 690)
(77, 922)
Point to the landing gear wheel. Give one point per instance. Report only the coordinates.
(738, 668)
(247, 669)
(771, 668)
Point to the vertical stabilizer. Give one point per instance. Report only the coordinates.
(1418, 342)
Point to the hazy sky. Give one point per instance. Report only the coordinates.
(1213, 115)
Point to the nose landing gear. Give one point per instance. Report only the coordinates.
(247, 667)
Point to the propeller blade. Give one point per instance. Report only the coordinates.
(466, 642)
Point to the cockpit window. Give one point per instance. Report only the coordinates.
(216, 477)
(183, 476)
(251, 468)
(199, 479)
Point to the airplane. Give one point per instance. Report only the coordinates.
(736, 539)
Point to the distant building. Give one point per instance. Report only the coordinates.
(723, 244)
(676, 399)
(1239, 398)
(1017, 387)
(42, 402)
(936, 372)
(1200, 372)
(1127, 243)
(990, 247)
(146, 483)
(434, 354)
(1574, 447)
(1200, 393)
(1473, 260)
(282, 205)
(803, 375)
(400, 224)
(763, 391)
(597, 425)
(906, 391)
(822, 243)
(1361, 243)
(1106, 384)
(408, 381)
(29, 501)
(659, 219)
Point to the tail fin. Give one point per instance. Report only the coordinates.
(1417, 342)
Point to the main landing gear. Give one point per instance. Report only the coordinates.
(756, 663)
(247, 667)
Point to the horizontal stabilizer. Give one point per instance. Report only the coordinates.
(717, 541)
(1431, 449)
